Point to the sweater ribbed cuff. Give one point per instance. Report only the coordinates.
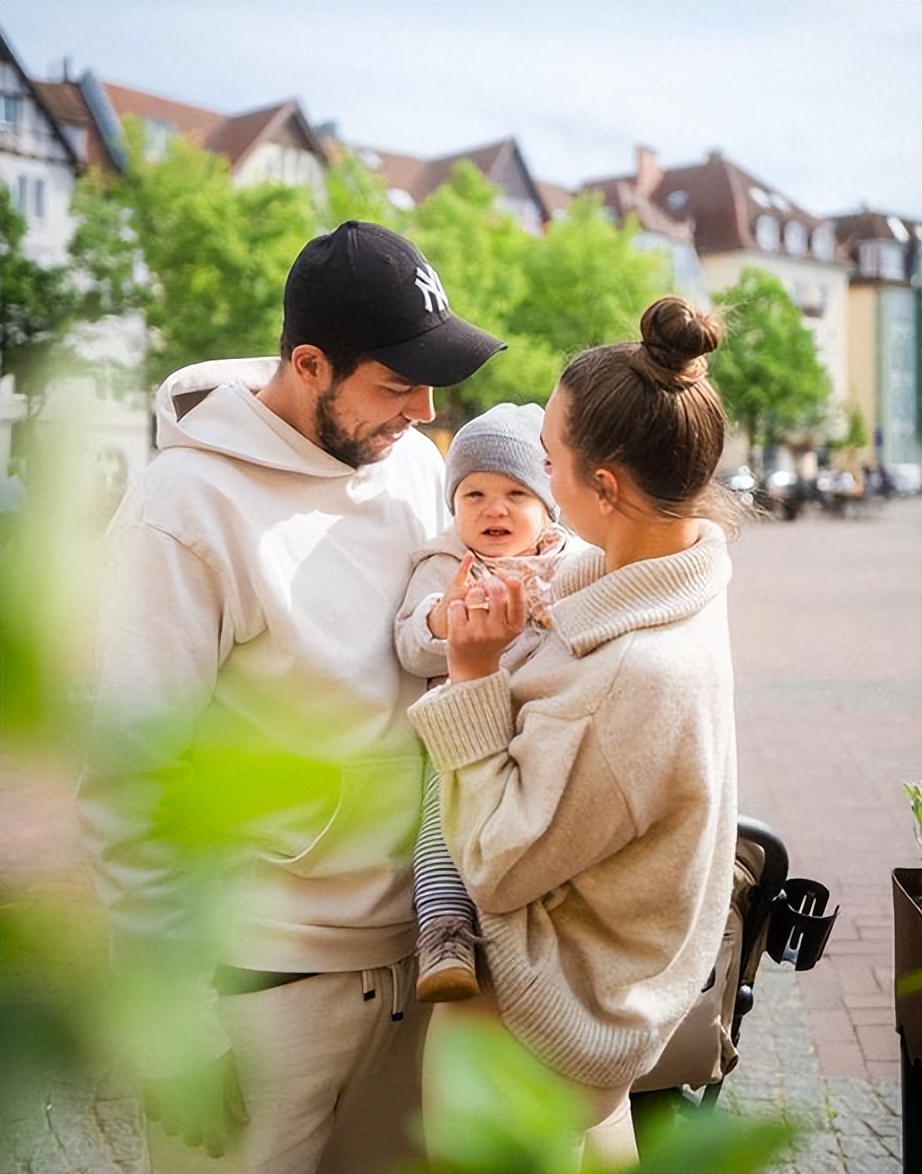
(465, 722)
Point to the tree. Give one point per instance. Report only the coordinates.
(36, 303)
(215, 256)
(477, 249)
(105, 251)
(587, 283)
(767, 369)
(547, 297)
(356, 193)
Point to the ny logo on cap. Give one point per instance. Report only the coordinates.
(428, 281)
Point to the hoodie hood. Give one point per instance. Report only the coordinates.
(212, 406)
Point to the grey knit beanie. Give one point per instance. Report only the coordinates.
(505, 439)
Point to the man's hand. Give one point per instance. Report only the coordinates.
(437, 619)
(204, 1106)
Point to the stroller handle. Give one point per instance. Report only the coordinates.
(775, 869)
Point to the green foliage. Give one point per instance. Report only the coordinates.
(587, 283)
(105, 250)
(856, 431)
(914, 795)
(547, 296)
(36, 302)
(767, 369)
(216, 255)
(356, 193)
(494, 1109)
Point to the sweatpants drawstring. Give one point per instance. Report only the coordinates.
(397, 999)
(368, 985)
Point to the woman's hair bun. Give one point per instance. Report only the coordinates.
(677, 337)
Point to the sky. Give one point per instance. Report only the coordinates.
(820, 100)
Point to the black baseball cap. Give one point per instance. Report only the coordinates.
(368, 291)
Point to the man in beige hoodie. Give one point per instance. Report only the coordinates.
(256, 568)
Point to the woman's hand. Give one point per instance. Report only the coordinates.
(481, 625)
(437, 619)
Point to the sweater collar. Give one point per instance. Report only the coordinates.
(594, 607)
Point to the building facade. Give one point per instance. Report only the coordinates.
(38, 162)
(884, 254)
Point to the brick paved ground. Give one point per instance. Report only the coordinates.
(826, 624)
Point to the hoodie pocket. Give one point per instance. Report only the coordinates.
(375, 817)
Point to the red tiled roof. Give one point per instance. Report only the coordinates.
(554, 197)
(866, 225)
(196, 122)
(234, 136)
(421, 177)
(404, 173)
(624, 197)
(67, 104)
(725, 202)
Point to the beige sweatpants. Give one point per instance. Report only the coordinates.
(331, 1082)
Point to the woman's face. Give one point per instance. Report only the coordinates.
(578, 501)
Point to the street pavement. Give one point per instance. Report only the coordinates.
(825, 617)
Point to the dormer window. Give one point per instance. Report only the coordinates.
(677, 200)
(759, 197)
(767, 235)
(795, 238)
(883, 259)
(898, 228)
(823, 243)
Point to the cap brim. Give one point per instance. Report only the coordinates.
(447, 354)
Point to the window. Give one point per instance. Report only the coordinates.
(795, 238)
(767, 234)
(823, 243)
(882, 259)
(21, 198)
(891, 261)
(10, 110)
(38, 198)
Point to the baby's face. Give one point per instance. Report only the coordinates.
(495, 515)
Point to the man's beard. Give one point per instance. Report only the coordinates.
(338, 443)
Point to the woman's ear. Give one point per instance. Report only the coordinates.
(607, 484)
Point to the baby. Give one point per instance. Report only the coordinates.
(505, 517)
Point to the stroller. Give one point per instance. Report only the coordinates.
(769, 913)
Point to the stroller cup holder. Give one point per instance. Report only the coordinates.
(798, 929)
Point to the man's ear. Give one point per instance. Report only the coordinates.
(607, 484)
(312, 366)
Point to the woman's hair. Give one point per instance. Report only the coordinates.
(648, 408)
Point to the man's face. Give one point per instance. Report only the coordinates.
(359, 419)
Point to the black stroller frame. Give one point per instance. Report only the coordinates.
(770, 914)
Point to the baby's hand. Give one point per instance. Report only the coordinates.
(437, 619)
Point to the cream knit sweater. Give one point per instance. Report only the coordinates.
(589, 801)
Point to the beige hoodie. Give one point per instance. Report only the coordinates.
(250, 602)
